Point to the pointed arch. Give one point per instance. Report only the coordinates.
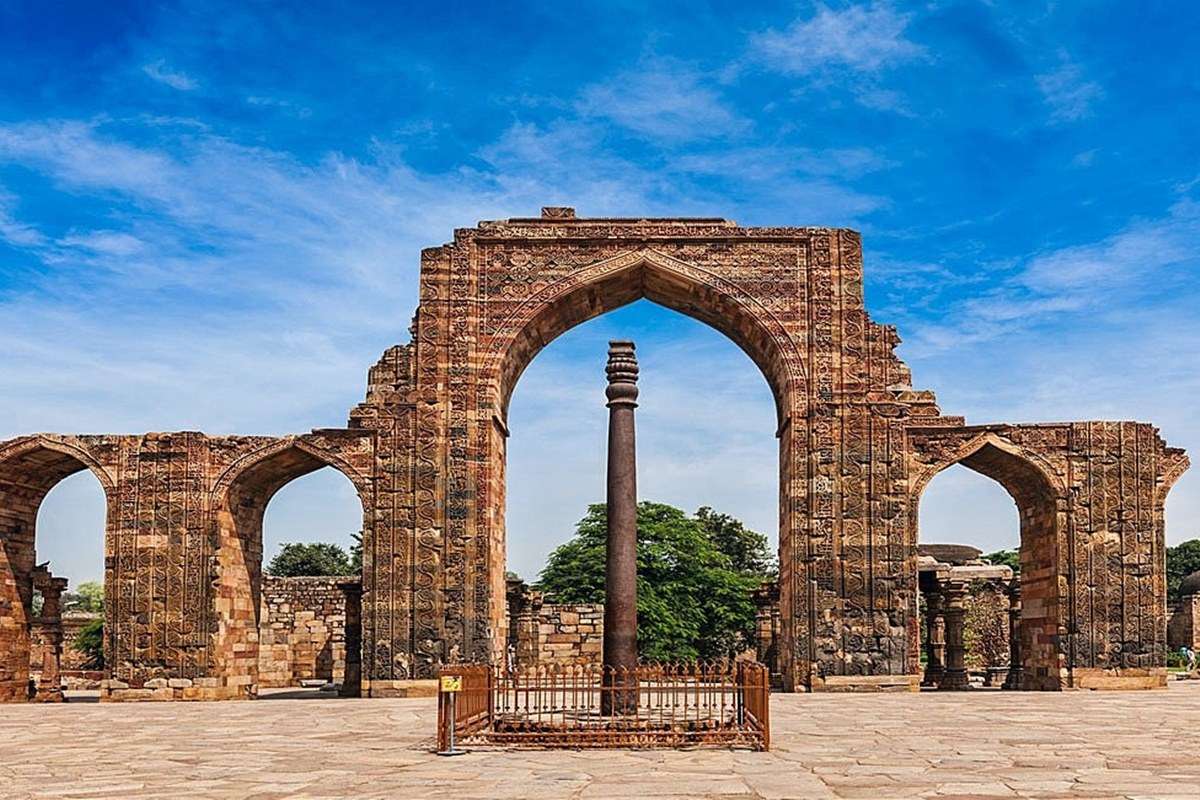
(29, 468)
(746, 314)
(1041, 498)
(623, 279)
(1017, 470)
(239, 501)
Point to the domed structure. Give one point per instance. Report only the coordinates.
(1190, 584)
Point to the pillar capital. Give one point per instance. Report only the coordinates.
(622, 372)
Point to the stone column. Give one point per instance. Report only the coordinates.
(49, 688)
(955, 675)
(1015, 669)
(935, 646)
(620, 581)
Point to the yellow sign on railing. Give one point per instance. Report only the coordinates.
(451, 683)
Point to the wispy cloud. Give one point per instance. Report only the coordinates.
(663, 99)
(862, 38)
(1068, 92)
(160, 72)
(12, 230)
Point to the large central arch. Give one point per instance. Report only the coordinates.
(606, 286)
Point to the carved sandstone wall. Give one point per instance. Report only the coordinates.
(426, 451)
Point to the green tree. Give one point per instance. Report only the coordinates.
(1005, 558)
(88, 596)
(356, 554)
(90, 642)
(747, 550)
(316, 558)
(1182, 560)
(692, 601)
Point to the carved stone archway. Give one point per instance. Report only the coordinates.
(29, 468)
(1041, 501)
(239, 501)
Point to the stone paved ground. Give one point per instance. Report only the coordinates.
(1093, 745)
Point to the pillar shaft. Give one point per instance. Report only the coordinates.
(620, 582)
(955, 676)
(935, 644)
(1015, 670)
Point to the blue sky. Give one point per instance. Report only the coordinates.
(210, 216)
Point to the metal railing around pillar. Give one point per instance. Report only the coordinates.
(722, 703)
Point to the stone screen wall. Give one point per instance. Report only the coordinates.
(426, 451)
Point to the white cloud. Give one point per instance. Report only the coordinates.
(1067, 92)
(863, 38)
(1100, 330)
(663, 99)
(160, 72)
(1146, 252)
(109, 243)
(12, 230)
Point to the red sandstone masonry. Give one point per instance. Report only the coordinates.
(426, 453)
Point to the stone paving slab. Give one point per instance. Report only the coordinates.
(825, 747)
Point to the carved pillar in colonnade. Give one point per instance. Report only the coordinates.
(935, 646)
(1015, 670)
(955, 676)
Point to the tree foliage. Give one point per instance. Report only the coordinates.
(1005, 558)
(310, 558)
(694, 596)
(747, 550)
(356, 554)
(88, 596)
(90, 642)
(1182, 560)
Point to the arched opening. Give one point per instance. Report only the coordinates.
(300, 628)
(969, 530)
(1038, 644)
(611, 285)
(39, 552)
(706, 420)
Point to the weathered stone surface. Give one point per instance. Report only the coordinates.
(302, 631)
(426, 453)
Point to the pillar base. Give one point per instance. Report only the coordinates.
(954, 681)
(1014, 679)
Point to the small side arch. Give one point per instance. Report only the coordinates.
(239, 500)
(1041, 501)
(29, 468)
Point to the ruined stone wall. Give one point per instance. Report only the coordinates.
(1183, 630)
(302, 630)
(182, 546)
(561, 634)
(71, 659)
(1089, 496)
